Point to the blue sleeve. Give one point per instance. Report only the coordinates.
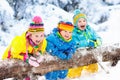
(79, 42)
(92, 32)
(72, 48)
(95, 36)
(69, 52)
(51, 49)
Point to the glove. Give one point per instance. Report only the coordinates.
(92, 43)
(77, 45)
(62, 56)
(40, 58)
(33, 61)
(69, 56)
(25, 58)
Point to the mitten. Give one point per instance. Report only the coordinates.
(33, 61)
(62, 56)
(92, 43)
(40, 58)
(33, 58)
(69, 56)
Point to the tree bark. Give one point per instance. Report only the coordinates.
(17, 68)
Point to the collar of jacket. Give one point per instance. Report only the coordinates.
(78, 30)
(59, 35)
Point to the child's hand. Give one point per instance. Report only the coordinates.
(33, 61)
(69, 56)
(33, 58)
(37, 53)
(40, 58)
(92, 43)
(62, 56)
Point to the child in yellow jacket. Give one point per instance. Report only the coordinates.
(30, 45)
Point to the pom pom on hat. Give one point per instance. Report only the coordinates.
(37, 20)
(77, 11)
(65, 25)
(77, 16)
(36, 25)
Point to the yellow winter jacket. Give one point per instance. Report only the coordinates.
(17, 48)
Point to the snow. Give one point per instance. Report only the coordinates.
(112, 33)
(6, 6)
(113, 1)
(108, 30)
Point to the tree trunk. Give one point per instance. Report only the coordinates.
(17, 68)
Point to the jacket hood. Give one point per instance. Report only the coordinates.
(55, 30)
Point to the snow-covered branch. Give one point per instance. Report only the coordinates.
(17, 68)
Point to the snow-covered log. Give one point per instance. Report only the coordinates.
(17, 68)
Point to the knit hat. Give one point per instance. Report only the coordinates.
(77, 16)
(62, 25)
(36, 25)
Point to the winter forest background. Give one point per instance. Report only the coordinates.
(103, 16)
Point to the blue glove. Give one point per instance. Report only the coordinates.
(92, 43)
(69, 56)
(62, 56)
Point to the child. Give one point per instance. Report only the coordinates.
(31, 42)
(60, 44)
(84, 36)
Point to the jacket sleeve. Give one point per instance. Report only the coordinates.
(17, 48)
(44, 45)
(51, 48)
(80, 43)
(95, 37)
(72, 48)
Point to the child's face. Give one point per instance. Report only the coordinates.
(66, 34)
(37, 37)
(82, 24)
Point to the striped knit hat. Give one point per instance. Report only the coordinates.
(77, 16)
(36, 25)
(62, 25)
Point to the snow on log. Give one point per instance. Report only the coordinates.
(17, 68)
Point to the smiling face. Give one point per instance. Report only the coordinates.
(82, 23)
(66, 34)
(37, 37)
